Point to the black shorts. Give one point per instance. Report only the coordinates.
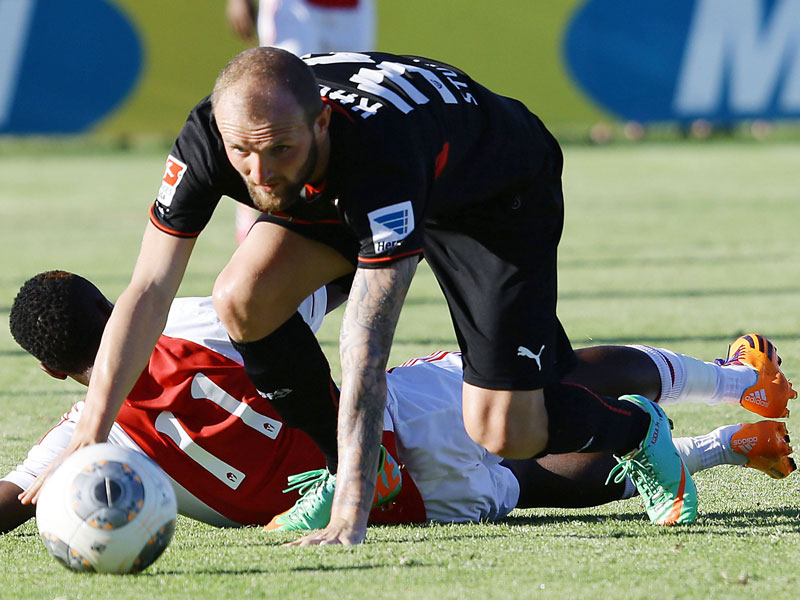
(496, 264)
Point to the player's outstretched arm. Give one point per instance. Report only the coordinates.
(370, 318)
(137, 321)
(12, 512)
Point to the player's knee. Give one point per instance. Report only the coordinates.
(227, 304)
(250, 310)
(235, 304)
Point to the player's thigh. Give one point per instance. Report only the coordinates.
(269, 275)
(509, 423)
(497, 266)
(614, 371)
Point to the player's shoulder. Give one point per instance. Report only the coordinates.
(202, 110)
(200, 126)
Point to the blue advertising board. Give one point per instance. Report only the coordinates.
(64, 65)
(718, 60)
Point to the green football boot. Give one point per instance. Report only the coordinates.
(656, 468)
(313, 509)
(316, 488)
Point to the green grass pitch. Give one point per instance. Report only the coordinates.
(684, 245)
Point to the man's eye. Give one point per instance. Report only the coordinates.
(279, 149)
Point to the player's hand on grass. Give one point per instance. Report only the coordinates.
(338, 531)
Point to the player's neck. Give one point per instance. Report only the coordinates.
(323, 157)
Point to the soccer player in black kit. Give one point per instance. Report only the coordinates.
(362, 164)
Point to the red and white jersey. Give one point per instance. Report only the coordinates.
(208, 427)
(196, 413)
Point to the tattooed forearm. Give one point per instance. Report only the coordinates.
(370, 318)
(373, 308)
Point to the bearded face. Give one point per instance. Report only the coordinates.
(280, 191)
(272, 145)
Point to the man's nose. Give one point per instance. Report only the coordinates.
(261, 169)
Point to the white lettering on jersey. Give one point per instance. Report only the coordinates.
(390, 225)
(169, 425)
(338, 58)
(203, 387)
(15, 21)
(447, 96)
(173, 173)
(369, 80)
(372, 80)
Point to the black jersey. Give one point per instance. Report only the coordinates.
(413, 141)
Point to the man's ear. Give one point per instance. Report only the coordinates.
(322, 122)
(52, 373)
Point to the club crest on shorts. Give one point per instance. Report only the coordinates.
(390, 225)
(173, 173)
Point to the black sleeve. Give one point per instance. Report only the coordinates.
(196, 175)
(386, 205)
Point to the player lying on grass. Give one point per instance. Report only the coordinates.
(194, 401)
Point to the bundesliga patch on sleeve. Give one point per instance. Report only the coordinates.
(390, 225)
(173, 173)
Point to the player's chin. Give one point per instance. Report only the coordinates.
(270, 201)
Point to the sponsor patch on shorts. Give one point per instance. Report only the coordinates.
(391, 225)
(173, 173)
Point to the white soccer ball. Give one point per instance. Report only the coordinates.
(106, 509)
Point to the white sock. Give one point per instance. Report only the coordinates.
(630, 489)
(709, 450)
(687, 379)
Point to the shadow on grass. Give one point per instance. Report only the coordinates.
(634, 525)
(785, 518)
(714, 523)
(21, 534)
(16, 352)
(37, 393)
(585, 518)
(266, 570)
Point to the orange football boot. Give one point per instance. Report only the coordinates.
(766, 446)
(390, 480)
(771, 392)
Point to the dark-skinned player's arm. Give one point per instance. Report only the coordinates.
(137, 321)
(370, 317)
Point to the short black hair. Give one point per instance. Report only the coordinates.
(59, 318)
